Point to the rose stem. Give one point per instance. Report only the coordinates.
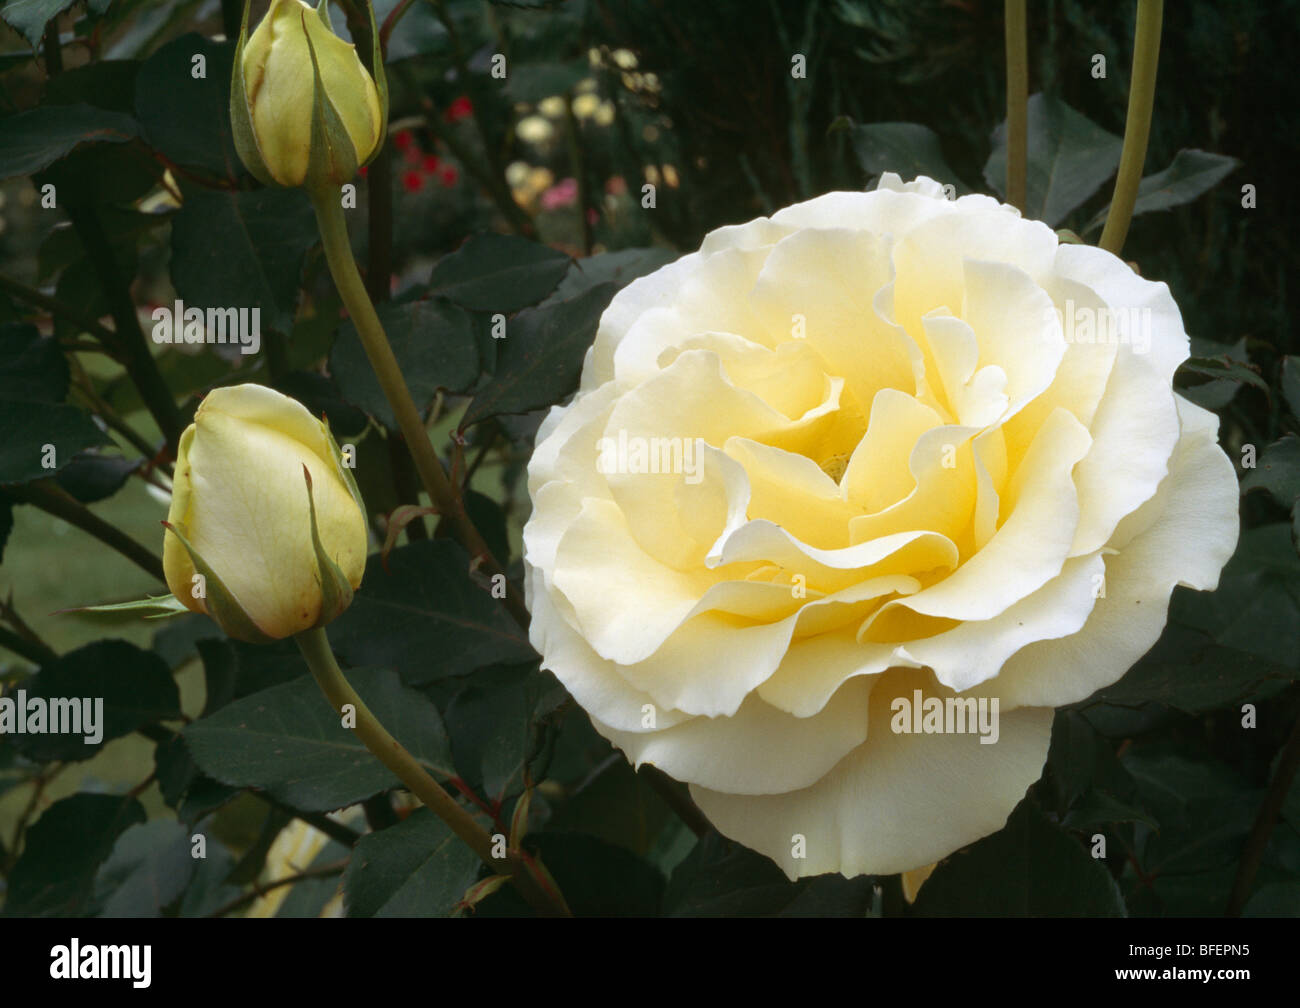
(128, 343)
(315, 648)
(1137, 127)
(53, 499)
(338, 253)
(1017, 103)
(1287, 764)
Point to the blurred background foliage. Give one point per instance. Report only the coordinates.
(600, 99)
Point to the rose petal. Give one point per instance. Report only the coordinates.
(1184, 535)
(894, 803)
(759, 750)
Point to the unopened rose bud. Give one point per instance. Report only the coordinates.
(266, 530)
(303, 109)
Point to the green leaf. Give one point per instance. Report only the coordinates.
(618, 268)
(1191, 173)
(1205, 810)
(418, 868)
(62, 852)
(1029, 868)
(1188, 670)
(1259, 587)
(150, 607)
(1069, 158)
(288, 741)
(233, 670)
(78, 286)
(149, 868)
(237, 249)
(209, 889)
(32, 366)
(1101, 809)
(424, 617)
(91, 476)
(33, 140)
(135, 685)
(106, 84)
(1278, 471)
(434, 344)
(1216, 393)
(1092, 787)
(1224, 366)
(192, 794)
(615, 804)
(188, 118)
(103, 174)
(721, 878)
(1291, 383)
(540, 359)
(498, 273)
(908, 149)
(498, 730)
(419, 33)
(27, 428)
(29, 17)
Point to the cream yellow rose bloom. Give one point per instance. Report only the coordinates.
(878, 448)
(241, 517)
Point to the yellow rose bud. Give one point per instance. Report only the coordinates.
(303, 108)
(266, 531)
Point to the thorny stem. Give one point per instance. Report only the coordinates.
(1287, 765)
(338, 253)
(532, 883)
(53, 499)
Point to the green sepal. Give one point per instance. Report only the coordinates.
(218, 600)
(335, 589)
(150, 607)
(379, 77)
(241, 116)
(323, 12)
(333, 159)
(348, 479)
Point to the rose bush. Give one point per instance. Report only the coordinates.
(862, 448)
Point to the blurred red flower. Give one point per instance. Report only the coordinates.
(459, 109)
